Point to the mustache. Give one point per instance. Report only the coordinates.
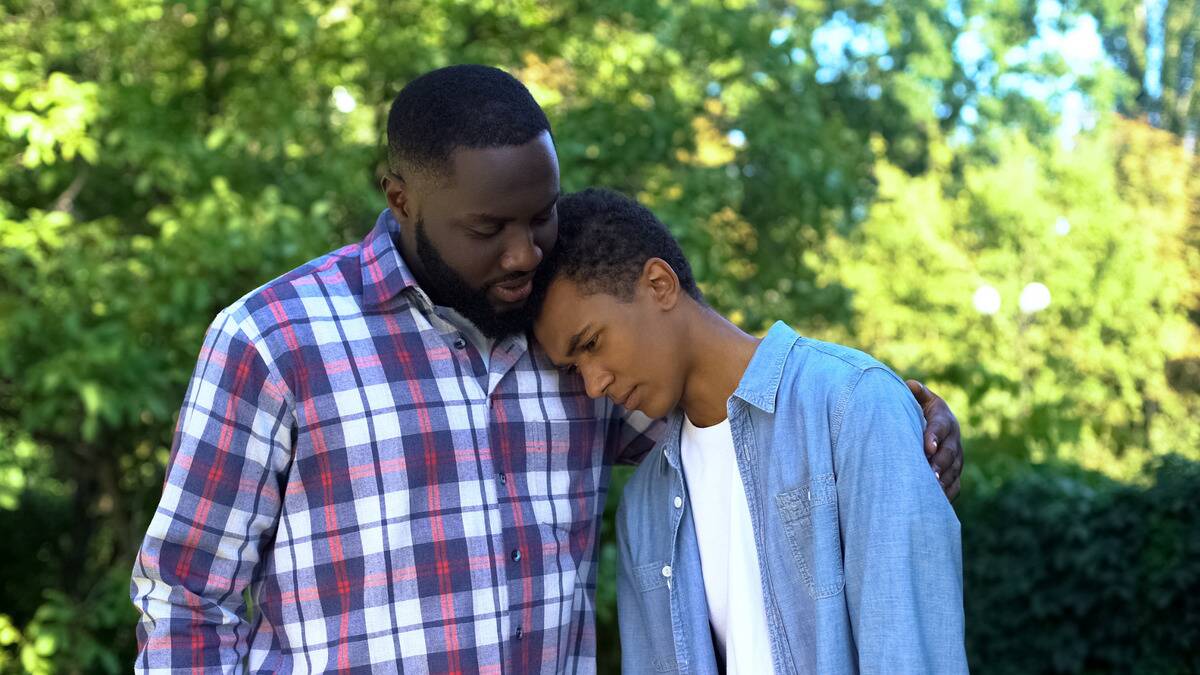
(516, 276)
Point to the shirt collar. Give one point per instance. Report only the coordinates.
(758, 387)
(760, 382)
(384, 274)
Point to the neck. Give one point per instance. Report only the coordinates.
(719, 353)
(412, 260)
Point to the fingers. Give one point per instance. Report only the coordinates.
(942, 444)
(944, 451)
(952, 489)
(948, 464)
(919, 392)
(937, 430)
(942, 459)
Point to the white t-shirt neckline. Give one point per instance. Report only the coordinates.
(728, 556)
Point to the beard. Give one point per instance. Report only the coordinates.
(445, 287)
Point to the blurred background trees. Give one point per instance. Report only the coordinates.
(997, 197)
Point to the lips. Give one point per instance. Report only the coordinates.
(514, 291)
(628, 398)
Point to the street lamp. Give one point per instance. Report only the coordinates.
(1034, 298)
(987, 300)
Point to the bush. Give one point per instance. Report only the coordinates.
(1068, 572)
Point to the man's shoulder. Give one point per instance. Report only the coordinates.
(315, 287)
(834, 360)
(827, 373)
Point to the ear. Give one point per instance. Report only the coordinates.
(395, 189)
(660, 281)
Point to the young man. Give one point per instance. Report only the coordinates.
(787, 522)
(373, 449)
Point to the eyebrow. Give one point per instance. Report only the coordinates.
(573, 345)
(492, 218)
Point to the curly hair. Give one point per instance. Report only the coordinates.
(604, 241)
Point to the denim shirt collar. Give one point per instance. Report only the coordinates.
(758, 387)
(760, 382)
(670, 442)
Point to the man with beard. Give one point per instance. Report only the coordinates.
(373, 453)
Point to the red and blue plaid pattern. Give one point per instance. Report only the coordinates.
(393, 502)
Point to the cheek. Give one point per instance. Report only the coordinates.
(648, 361)
(474, 260)
(547, 238)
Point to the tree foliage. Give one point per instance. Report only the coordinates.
(857, 168)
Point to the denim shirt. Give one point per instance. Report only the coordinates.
(859, 550)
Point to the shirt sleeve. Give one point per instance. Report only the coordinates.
(637, 435)
(220, 505)
(903, 558)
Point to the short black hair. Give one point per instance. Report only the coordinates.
(604, 241)
(467, 106)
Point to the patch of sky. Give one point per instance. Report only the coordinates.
(841, 43)
(1155, 37)
(1076, 42)
(970, 50)
(954, 13)
(1079, 45)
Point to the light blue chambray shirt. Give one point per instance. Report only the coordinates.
(858, 548)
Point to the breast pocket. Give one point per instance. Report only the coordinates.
(564, 463)
(810, 520)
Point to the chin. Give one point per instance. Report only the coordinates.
(653, 410)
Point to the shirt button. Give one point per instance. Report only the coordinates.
(666, 571)
(503, 479)
(516, 555)
(520, 633)
(460, 344)
(679, 502)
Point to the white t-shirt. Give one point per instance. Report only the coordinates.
(728, 557)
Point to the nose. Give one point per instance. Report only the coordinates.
(521, 252)
(596, 380)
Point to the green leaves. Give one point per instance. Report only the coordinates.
(53, 119)
(857, 168)
(1068, 572)
(1102, 227)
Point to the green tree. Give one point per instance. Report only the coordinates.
(1102, 226)
(1155, 42)
(158, 160)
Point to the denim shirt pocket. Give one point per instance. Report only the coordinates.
(651, 581)
(810, 519)
(650, 576)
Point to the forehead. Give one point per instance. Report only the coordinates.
(567, 310)
(501, 179)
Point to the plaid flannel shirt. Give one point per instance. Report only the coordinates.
(392, 502)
